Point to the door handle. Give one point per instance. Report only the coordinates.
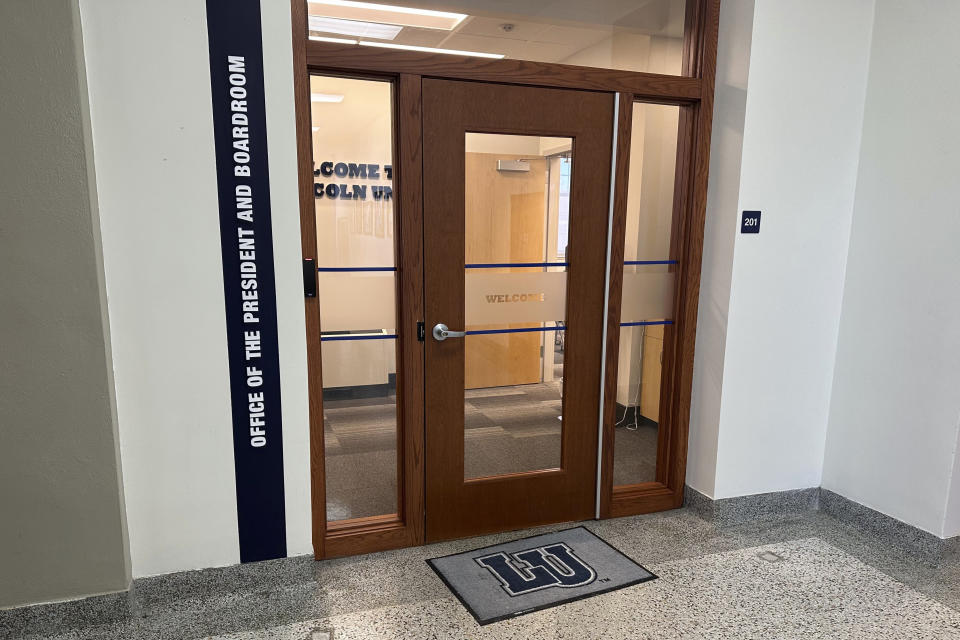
(441, 332)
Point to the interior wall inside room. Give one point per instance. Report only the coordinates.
(633, 51)
(152, 135)
(649, 220)
(895, 411)
(505, 219)
(801, 139)
(63, 533)
(355, 226)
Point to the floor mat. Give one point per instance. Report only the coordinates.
(513, 578)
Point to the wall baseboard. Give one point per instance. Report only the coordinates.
(782, 504)
(880, 524)
(743, 509)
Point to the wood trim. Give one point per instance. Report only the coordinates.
(325, 55)
(391, 531)
(363, 535)
(409, 212)
(366, 535)
(308, 247)
(617, 241)
(641, 498)
(689, 297)
(690, 191)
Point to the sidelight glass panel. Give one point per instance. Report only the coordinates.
(353, 194)
(648, 291)
(355, 300)
(517, 209)
(634, 35)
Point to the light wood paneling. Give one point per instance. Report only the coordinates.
(505, 220)
(650, 374)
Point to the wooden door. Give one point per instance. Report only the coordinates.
(515, 450)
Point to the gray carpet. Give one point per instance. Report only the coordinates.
(507, 429)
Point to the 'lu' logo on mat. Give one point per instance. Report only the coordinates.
(553, 565)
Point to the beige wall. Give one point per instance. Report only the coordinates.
(653, 150)
(63, 532)
(356, 232)
(505, 222)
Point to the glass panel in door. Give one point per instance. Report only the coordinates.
(517, 201)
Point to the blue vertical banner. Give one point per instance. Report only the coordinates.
(246, 243)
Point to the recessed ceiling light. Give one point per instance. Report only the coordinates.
(410, 47)
(316, 128)
(326, 97)
(334, 40)
(354, 28)
(388, 14)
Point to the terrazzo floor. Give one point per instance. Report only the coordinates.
(807, 589)
(827, 579)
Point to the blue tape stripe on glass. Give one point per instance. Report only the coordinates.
(495, 265)
(328, 269)
(482, 332)
(379, 336)
(650, 262)
(645, 322)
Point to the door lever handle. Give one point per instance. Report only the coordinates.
(441, 332)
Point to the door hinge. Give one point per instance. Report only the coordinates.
(309, 278)
(421, 332)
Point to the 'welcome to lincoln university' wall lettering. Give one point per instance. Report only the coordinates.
(352, 171)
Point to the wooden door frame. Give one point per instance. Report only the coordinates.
(692, 92)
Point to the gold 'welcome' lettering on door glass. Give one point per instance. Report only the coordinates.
(517, 208)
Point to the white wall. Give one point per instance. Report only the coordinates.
(726, 150)
(153, 149)
(951, 519)
(896, 394)
(62, 529)
(803, 117)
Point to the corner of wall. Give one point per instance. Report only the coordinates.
(951, 511)
(87, 132)
(726, 149)
(843, 273)
(784, 295)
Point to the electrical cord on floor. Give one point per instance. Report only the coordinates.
(636, 400)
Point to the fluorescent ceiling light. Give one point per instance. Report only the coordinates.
(334, 40)
(316, 128)
(354, 28)
(410, 47)
(326, 97)
(388, 14)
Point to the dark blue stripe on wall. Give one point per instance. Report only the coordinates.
(246, 241)
(637, 262)
(351, 269)
(501, 265)
(379, 336)
(484, 332)
(645, 323)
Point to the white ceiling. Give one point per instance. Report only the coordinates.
(549, 31)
